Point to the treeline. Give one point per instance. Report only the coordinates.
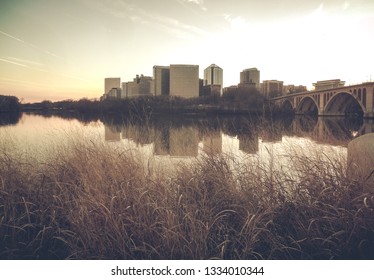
(9, 104)
(251, 102)
(10, 110)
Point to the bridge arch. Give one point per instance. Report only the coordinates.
(344, 103)
(286, 106)
(307, 106)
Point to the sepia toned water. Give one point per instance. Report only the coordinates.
(166, 142)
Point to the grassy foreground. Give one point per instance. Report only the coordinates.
(92, 201)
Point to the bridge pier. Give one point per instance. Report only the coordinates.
(361, 158)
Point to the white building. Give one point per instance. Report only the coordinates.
(184, 80)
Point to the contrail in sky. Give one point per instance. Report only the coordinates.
(29, 44)
(42, 70)
(15, 63)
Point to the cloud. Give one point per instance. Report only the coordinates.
(236, 23)
(136, 14)
(200, 3)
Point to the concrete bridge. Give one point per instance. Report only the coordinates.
(341, 101)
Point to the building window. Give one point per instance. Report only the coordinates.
(364, 97)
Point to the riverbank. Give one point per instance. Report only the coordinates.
(253, 104)
(112, 207)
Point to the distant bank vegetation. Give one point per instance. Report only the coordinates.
(9, 104)
(10, 110)
(240, 102)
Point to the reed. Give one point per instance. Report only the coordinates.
(91, 200)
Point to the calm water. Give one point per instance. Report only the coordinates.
(165, 142)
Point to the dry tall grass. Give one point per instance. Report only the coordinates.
(93, 201)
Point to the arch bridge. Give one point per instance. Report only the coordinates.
(342, 101)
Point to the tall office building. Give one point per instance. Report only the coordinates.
(250, 76)
(124, 90)
(213, 76)
(112, 83)
(141, 85)
(272, 88)
(184, 80)
(114, 93)
(161, 77)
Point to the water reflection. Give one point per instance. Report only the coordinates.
(212, 142)
(112, 133)
(332, 131)
(184, 137)
(159, 140)
(10, 118)
(181, 141)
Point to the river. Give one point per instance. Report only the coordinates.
(164, 142)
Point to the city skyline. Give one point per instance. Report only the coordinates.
(56, 50)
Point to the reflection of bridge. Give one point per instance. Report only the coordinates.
(332, 102)
(333, 131)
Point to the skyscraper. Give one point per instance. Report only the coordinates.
(250, 76)
(161, 77)
(213, 76)
(112, 83)
(140, 86)
(184, 80)
(271, 88)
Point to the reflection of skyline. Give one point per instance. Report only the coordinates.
(182, 139)
(162, 142)
(212, 142)
(272, 135)
(112, 133)
(177, 142)
(249, 145)
(139, 134)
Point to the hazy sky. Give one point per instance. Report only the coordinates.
(57, 50)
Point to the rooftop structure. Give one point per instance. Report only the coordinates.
(328, 84)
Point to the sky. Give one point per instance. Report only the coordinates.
(57, 50)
